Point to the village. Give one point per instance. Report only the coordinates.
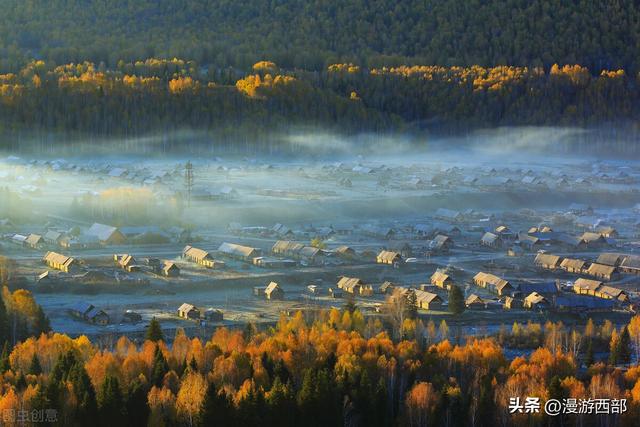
(215, 245)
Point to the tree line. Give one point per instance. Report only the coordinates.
(161, 97)
(311, 34)
(335, 367)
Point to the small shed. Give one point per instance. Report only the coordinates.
(170, 269)
(547, 261)
(441, 280)
(571, 265)
(491, 240)
(388, 257)
(213, 315)
(535, 301)
(601, 271)
(273, 291)
(188, 311)
(474, 302)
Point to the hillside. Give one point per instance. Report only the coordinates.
(312, 34)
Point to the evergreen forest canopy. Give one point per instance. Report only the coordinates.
(312, 34)
(127, 69)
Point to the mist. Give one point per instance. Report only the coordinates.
(304, 176)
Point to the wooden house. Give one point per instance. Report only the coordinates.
(491, 240)
(474, 302)
(188, 311)
(388, 257)
(60, 262)
(604, 272)
(106, 234)
(441, 280)
(241, 252)
(493, 283)
(547, 261)
(170, 269)
(571, 265)
(535, 301)
(273, 291)
(428, 300)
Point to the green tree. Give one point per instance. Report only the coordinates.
(412, 305)
(486, 404)
(35, 368)
(159, 368)
(111, 403)
(456, 300)
(136, 406)
(87, 409)
(281, 403)
(4, 322)
(4, 358)
(154, 331)
(623, 349)
(588, 357)
(217, 408)
(251, 408)
(41, 323)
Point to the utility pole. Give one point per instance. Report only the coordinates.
(188, 180)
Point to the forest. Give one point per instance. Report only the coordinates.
(330, 368)
(239, 71)
(150, 96)
(312, 34)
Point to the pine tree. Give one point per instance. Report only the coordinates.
(217, 408)
(58, 375)
(556, 392)
(4, 322)
(193, 365)
(63, 366)
(159, 368)
(4, 358)
(34, 367)
(87, 410)
(136, 406)
(281, 404)
(623, 349)
(251, 407)
(154, 331)
(249, 331)
(456, 300)
(588, 357)
(41, 325)
(280, 370)
(486, 404)
(379, 404)
(412, 305)
(111, 408)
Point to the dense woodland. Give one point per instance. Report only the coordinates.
(334, 368)
(166, 96)
(78, 69)
(311, 34)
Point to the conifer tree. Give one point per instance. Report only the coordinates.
(217, 408)
(154, 331)
(136, 406)
(35, 368)
(456, 300)
(623, 350)
(159, 368)
(111, 404)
